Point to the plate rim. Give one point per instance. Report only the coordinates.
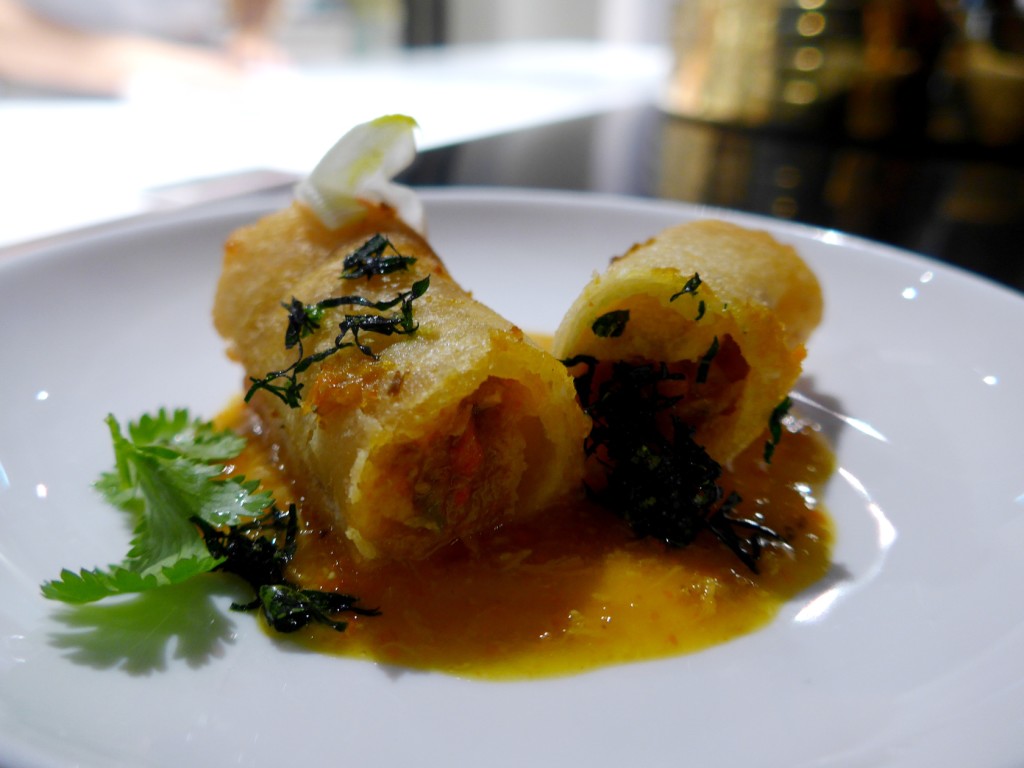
(127, 226)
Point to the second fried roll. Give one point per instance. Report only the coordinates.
(725, 309)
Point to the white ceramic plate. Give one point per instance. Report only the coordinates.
(910, 654)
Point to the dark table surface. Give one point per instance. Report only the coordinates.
(961, 205)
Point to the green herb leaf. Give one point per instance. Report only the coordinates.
(288, 608)
(370, 259)
(691, 287)
(611, 324)
(704, 366)
(88, 586)
(166, 472)
(775, 428)
(191, 520)
(303, 319)
(655, 475)
(259, 552)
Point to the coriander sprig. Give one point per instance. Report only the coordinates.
(190, 519)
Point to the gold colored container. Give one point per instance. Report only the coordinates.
(900, 120)
(840, 65)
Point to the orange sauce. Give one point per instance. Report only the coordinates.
(572, 590)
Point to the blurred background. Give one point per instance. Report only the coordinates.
(898, 120)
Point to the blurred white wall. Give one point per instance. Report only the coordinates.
(326, 31)
(627, 21)
(315, 31)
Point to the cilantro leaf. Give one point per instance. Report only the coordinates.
(190, 519)
(166, 471)
(193, 438)
(88, 586)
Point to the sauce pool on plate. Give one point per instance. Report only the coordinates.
(571, 590)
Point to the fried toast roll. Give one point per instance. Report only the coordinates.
(423, 437)
(727, 309)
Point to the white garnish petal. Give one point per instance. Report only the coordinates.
(361, 166)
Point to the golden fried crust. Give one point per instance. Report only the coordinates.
(457, 428)
(757, 304)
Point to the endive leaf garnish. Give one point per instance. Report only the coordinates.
(362, 166)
